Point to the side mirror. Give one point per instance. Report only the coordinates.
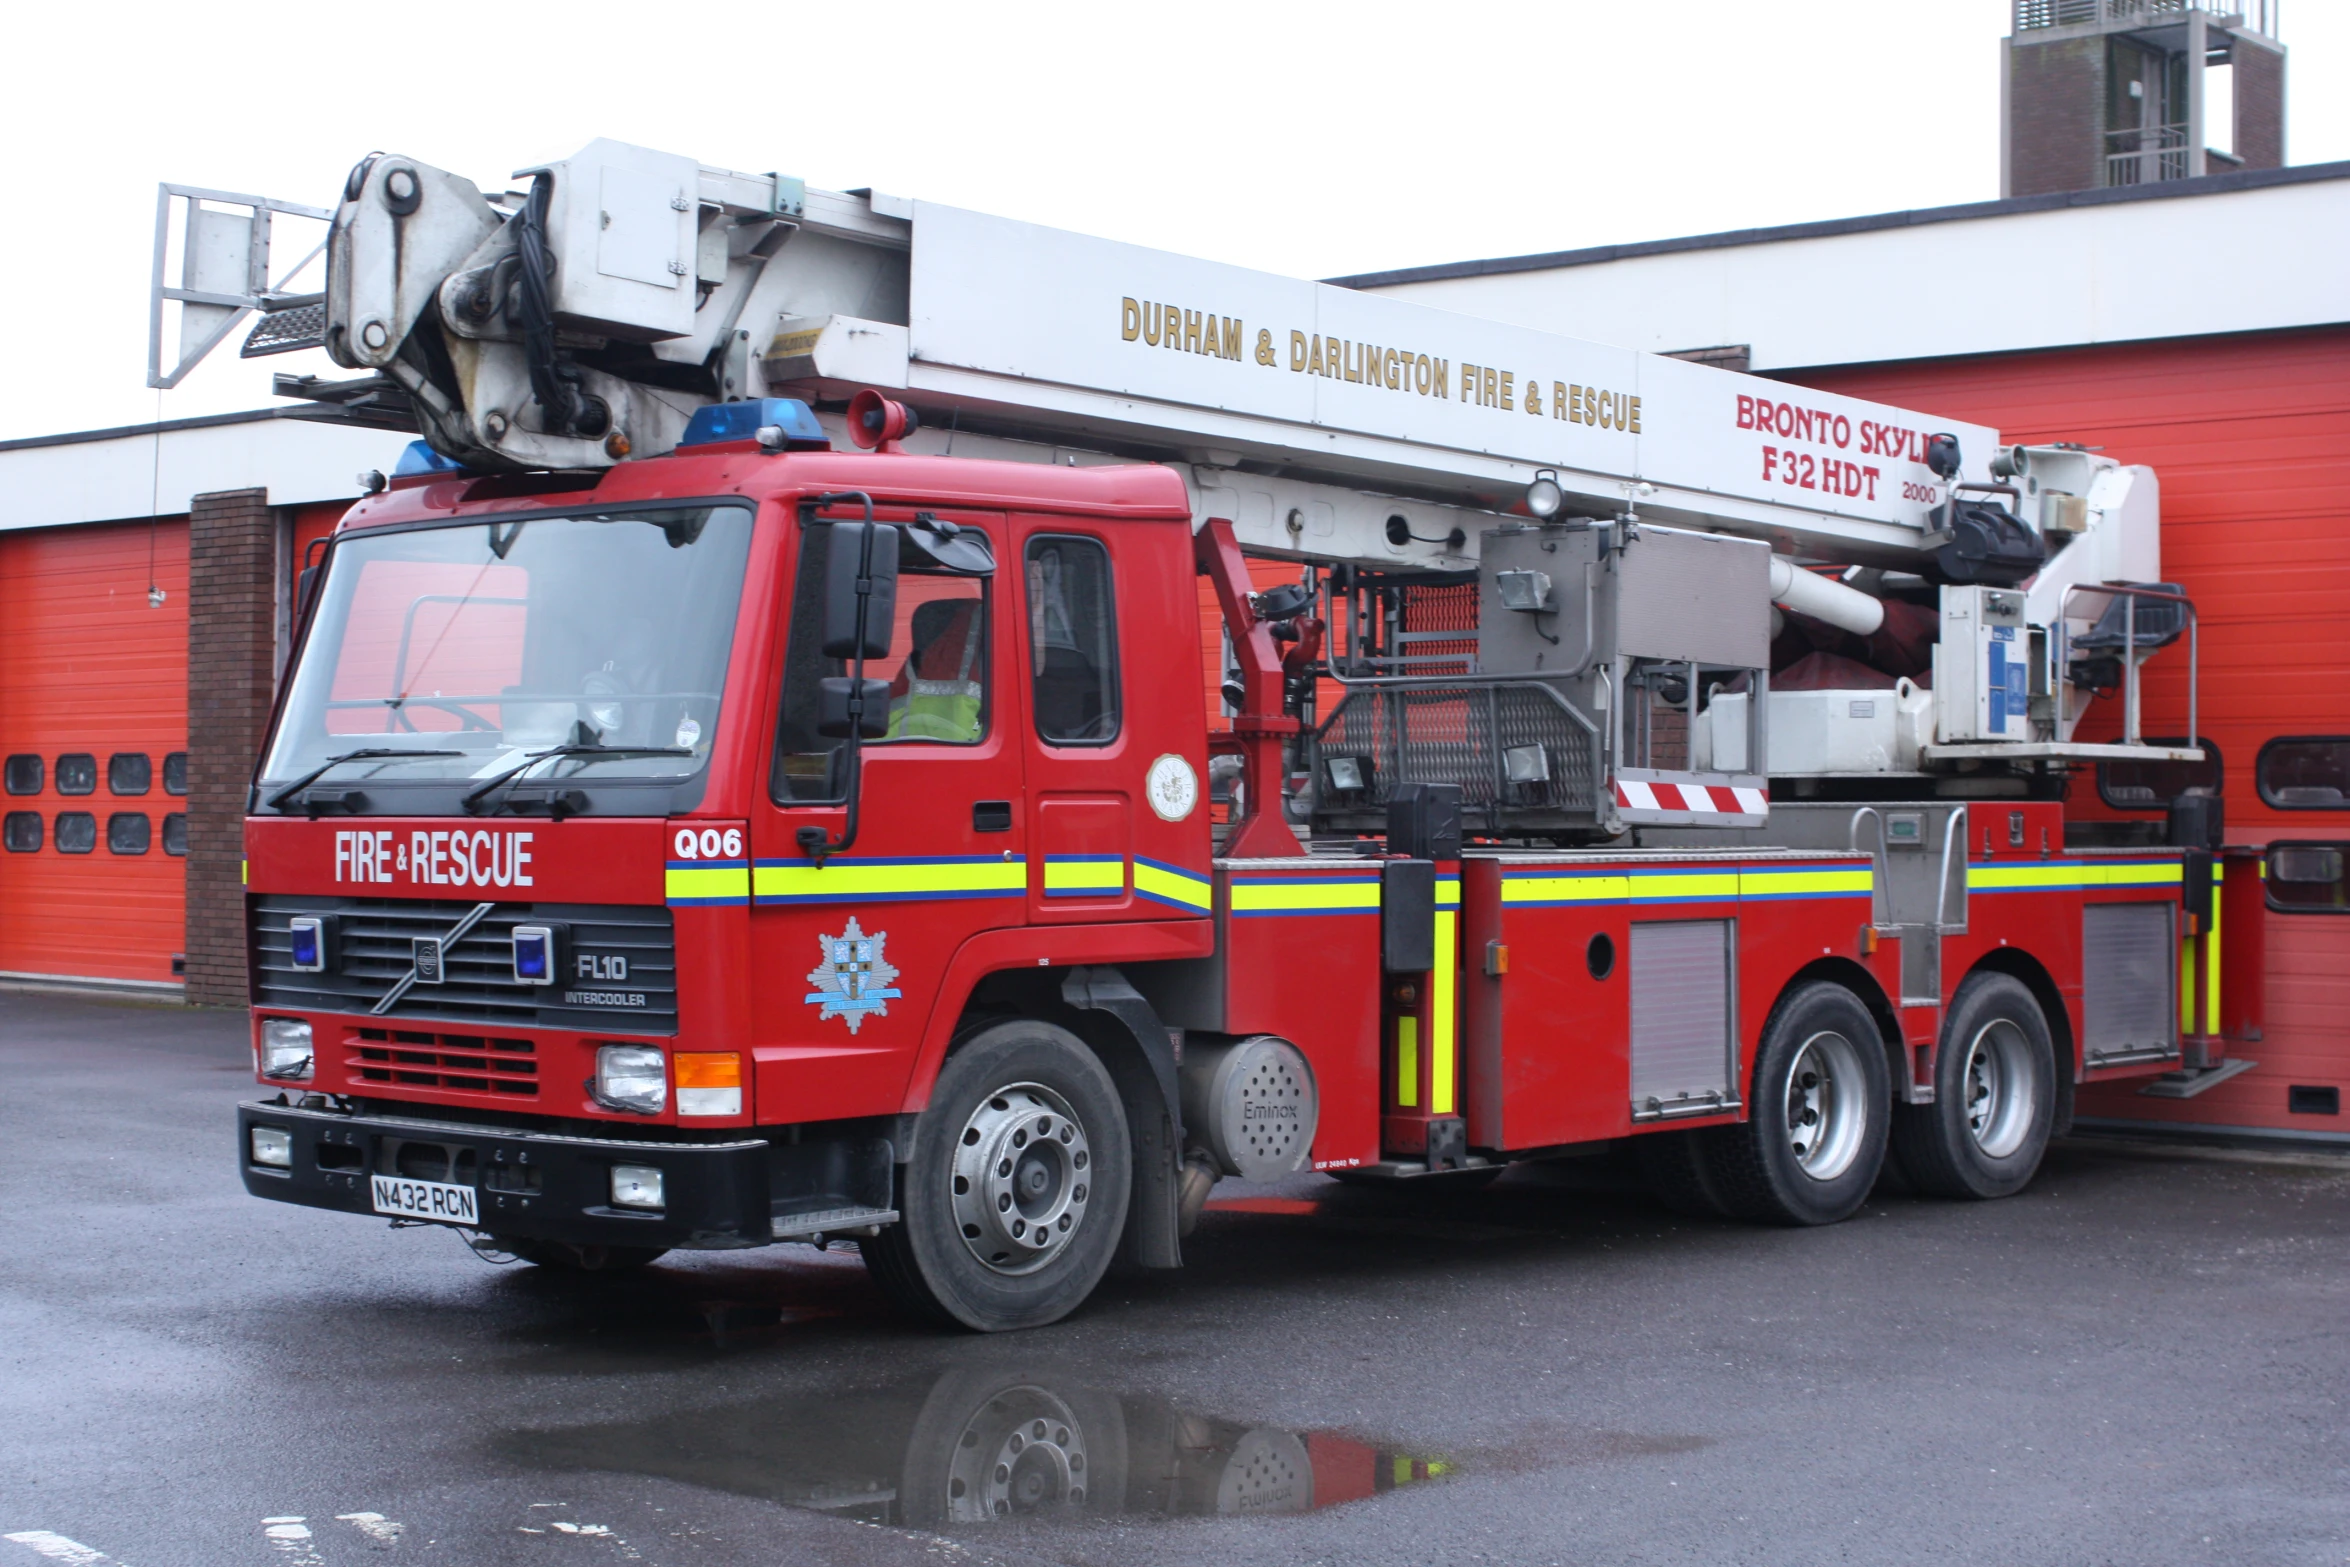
(836, 694)
(860, 591)
(305, 589)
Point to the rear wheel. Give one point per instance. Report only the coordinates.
(1994, 1096)
(1814, 1137)
(1016, 1192)
(1673, 1164)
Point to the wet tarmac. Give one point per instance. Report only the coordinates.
(2144, 1359)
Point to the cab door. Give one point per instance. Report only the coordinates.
(1077, 668)
(848, 947)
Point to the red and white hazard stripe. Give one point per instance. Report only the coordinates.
(1711, 799)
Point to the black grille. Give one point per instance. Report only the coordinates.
(372, 948)
(1463, 734)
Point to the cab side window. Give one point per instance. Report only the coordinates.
(936, 672)
(1072, 640)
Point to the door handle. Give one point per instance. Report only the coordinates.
(991, 816)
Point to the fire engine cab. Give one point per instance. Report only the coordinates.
(747, 777)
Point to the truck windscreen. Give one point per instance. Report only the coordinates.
(599, 639)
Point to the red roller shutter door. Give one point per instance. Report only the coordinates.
(88, 667)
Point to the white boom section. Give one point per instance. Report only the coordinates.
(1059, 335)
(1315, 415)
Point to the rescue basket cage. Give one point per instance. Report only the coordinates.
(1415, 707)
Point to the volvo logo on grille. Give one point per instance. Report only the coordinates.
(426, 964)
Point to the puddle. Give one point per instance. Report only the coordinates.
(979, 1445)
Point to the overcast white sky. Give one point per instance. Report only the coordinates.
(1310, 140)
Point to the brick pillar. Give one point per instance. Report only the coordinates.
(232, 656)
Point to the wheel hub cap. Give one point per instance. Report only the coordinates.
(1023, 1171)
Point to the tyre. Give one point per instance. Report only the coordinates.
(1674, 1166)
(1015, 1195)
(1817, 1121)
(562, 1257)
(1994, 1096)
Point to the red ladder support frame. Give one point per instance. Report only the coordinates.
(1260, 726)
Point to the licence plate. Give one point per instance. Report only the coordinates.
(426, 1200)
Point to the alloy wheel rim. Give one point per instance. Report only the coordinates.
(1022, 1178)
(1827, 1107)
(1996, 1086)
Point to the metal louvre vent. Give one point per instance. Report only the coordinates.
(1684, 1056)
(475, 1063)
(2129, 988)
(1514, 748)
(374, 948)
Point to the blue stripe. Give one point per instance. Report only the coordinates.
(1172, 903)
(799, 898)
(910, 859)
(1291, 914)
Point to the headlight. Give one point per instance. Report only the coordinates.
(274, 1147)
(285, 1048)
(636, 1186)
(631, 1077)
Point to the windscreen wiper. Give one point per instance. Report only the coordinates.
(474, 796)
(277, 801)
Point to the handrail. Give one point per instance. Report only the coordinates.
(1953, 831)
(1881, 857)
(2130, 660)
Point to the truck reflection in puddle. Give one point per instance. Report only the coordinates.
(977, 1445)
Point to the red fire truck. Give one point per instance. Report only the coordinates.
(678, 832)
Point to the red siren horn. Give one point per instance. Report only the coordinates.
(878, 423)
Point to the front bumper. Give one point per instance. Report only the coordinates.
(529, 1185)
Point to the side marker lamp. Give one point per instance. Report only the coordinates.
(285, 1048)
(709, 1082)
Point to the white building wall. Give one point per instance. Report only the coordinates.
(2232, 261)
(151, 474)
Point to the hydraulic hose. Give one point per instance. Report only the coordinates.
(554, 383)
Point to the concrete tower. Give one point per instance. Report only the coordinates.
(2127, 92)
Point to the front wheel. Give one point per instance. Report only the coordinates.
(1814, 1137)
(1994, 1096)
(1015, 1195)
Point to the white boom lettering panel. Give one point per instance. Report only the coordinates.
(1014, 300)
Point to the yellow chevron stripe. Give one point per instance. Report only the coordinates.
(1440, 1019)
(1276, 897)
(848, 879)
(702, 882)
(1685, 884)
(1565, 889)
(1859, 882)
(1084, 875)
(1190, 891)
